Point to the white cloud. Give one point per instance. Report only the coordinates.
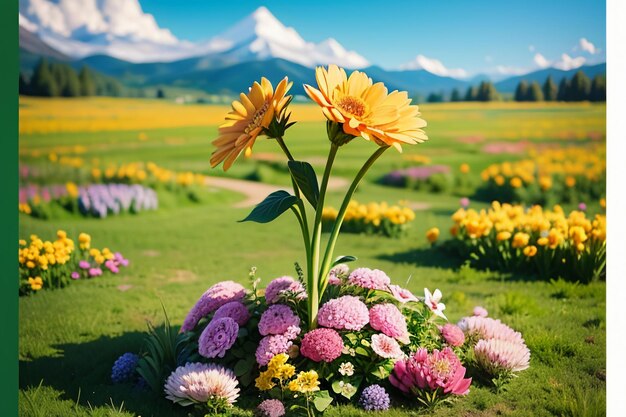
(541, 61)
(587, 46)
(567, 62)
(122, 18)
(434, 66)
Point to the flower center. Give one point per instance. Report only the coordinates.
(441, 368)
(256, 120)
(353, 105)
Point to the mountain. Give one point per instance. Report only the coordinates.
(30, 42)
(510, 84)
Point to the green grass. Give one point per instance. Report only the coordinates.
(69, 338)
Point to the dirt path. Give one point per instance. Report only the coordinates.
(255, 192)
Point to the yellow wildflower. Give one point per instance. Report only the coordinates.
(432, 234)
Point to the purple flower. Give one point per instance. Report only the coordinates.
(374, 398)
(219, 336)
(215, 297)
(277, 319)
(75, 275)
(270, 408)
(236, 310)
(124, 368)
(84, 264)
(271, 346)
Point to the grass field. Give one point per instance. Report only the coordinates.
(69, 338)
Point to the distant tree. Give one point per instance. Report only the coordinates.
(534, 92)
(564, 90)
(72, 83)
(42, 82)
(24, 88)
(60, 74)
(160, 93)
(521, 92)
(87, 82)
(550, 90)
(471, 94)
(435, 98)
(580, 87)
(456, 95)
(487, 92)
(598, 88)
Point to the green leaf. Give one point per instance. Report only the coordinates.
(304, 175)
(243, 366)
(273, 206)
(344, 259)
(322, 400)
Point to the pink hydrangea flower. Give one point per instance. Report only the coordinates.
(282, 286)
(386, 347)
(388, 319)
(480, 311)
(344, 313)
(453, 335)
(338, 273)
(436, 370)
(321, 345)
(277, 319)
(236, 310)
(373, 279)
(271, 346)
(476, 327)
(497, 356)
(401, 294)
(218, 336)
(215, 297)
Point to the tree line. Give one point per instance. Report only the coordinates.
(578, 88)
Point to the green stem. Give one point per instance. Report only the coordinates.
(312, 273)
(323, 279)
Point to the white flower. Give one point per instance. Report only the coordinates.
(432, 302)
(348, 351)
(198, 382)
(346, 369)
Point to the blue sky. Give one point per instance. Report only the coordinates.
(475, 36)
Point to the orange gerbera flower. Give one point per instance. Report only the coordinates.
(250, 115)
(366, 109)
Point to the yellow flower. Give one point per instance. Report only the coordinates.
(516, 182)
(72, 189)
(520, 240)
(454, 230)
(603, 203)
(542, 241)
(464, 168)
(264, 381)
(366, 109)
(499, 179)
(577, 234)
(570, 181)
(503, 236)
(84, 240)
(249, 117)
(61, 234)
(530, 251)
(545, 183)
(35, 283)
(305, 382)
(432, 234)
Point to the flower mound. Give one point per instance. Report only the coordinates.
(477, 327)
(219, 336)
(198, 382)
(388, 319)
(374, 398)
(270, 408)
(271, 346)
(277, 319)
(366, 109)
(321, 345)
(424, 371)
(453, 335)
(386, 347)
(500, 356)
(236, 310)
(124, 368)
(373, 279)
(215, 297)
(283, 286)
(344, 313)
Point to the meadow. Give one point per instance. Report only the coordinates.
(70, 337)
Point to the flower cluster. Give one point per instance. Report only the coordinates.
(372, 218)
(124, 368)
(433, 178)
(546, 242)
(53, 264)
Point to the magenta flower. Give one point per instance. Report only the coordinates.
(284, 286)
(373, 279)
(321, 345)
(582, 207)
(277, 319)
(388, 319)
(401, 294)
(465, 202)
(95, 272)
(271, 346)
(453, 334)
(120, 260)
(218, 336)
(344, 313)
(75, 275)
(84, 265)
(236, 310)
(215, 297)
(430, 371)
(386, 347)
(110, 264)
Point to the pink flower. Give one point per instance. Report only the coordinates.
(388, 319)
(453, 334)
(432, 302)
(110, 264)
(95, 272)
(215, 297)
(292, 332)
(401, 294)
(480, 311)
(84, 264)
(497, 356)
(284, 286)
(476, 327)
(236, 310)
(386, 347)
(271, 346)
(218, 336)
(321, 345)
(344, 313)
(465, 202)
(424, 371)
(373, 279)
(277, 319)
(199, 382)
(337, 274)
(75, 275)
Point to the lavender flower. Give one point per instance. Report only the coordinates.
(374, 398)
(270, 408)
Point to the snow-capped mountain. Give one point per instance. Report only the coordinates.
(120, 29)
